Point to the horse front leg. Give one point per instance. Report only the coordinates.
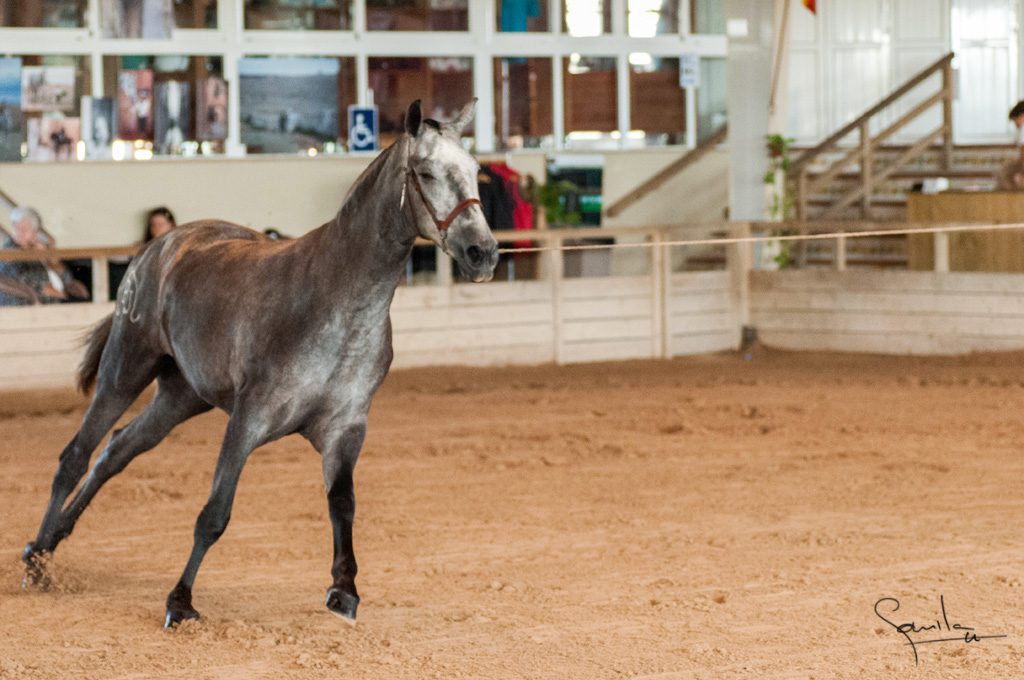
(244, 434)
(339, 461)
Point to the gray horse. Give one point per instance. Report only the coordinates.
(285, 336)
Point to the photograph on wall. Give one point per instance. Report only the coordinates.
(211, 109)
(172, 116)
(10, 109)
(135, 105)
(48, 88)
(99, 127)
(53, 139)
(288, 104)
(151, 19)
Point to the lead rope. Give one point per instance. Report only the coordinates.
(757, 239)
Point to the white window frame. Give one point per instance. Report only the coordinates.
(482, 42)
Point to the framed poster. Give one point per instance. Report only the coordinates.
(10, 109)
(135, 105)
(48, 88)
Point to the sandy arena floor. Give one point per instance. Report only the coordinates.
(709, 517)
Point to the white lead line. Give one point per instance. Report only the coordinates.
(756, 239)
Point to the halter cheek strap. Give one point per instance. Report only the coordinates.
(442, 226)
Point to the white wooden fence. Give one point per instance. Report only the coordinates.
(657, 314)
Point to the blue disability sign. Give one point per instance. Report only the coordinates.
(362, 128)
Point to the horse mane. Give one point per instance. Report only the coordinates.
(372, 172)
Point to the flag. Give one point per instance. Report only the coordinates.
(810, 4)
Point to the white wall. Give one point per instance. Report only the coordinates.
(98, 204)
(852, 53)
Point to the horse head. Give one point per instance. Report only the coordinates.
(442, 192)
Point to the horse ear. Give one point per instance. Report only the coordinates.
(413, 118)
(464, 118)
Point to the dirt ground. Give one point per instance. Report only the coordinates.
(709, 517)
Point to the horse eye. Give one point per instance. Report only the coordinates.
(427, 175)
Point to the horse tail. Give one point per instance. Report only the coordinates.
(94, 343)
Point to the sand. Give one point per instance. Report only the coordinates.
(708, 517)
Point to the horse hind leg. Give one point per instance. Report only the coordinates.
(174, 403)
(111, 400)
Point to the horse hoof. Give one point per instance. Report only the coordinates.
(175, 617)
(179, 606)
(343, 604)
(35, 568)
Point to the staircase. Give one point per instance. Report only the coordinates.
(971, 168)
(856, 175)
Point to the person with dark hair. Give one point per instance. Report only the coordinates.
(159, 221)
(1012, 177)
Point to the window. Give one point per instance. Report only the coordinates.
(299, 15)
(524, 117)
(648, 18)
(657, 104)
(707, 16)
(417, 15)
(163, 105)
(585, 18)
(293, 104)
(590, 99)
(51, 90)
(42, 13)
(444, 84)
(195, 13)
(518, 16)
(712, 100)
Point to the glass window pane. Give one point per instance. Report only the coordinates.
(137, 18)
(647, 18)
(51, 92)
(707, 17)
(516, 16)
(445, 84)
(163, 105)
(583, 18)
(712, 109)
(293, 104)
(657, 104)
(11, 137)
(417, 15)
(524, 115)
(298, 15)
(590, 98)
(195, 13)
(43, 13)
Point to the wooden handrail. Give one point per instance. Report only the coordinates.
(670, 171)
(864, 153)
(67, 253)
(810, 154)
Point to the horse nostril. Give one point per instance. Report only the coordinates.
(475, 255)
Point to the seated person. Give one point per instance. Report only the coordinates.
(40, 281)
(159, 221)
(1012, 176)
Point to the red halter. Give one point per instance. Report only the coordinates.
(441, 226)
